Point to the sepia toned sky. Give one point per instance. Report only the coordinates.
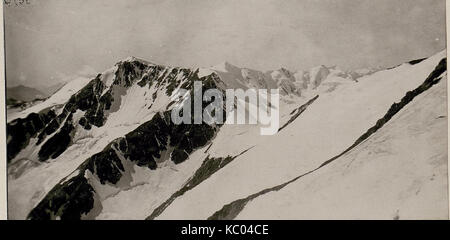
(49, 41)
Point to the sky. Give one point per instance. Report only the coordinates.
(49, 41)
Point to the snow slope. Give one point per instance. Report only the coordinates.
(398, 173)
(30, 179)
(322, 112)
(231, 140)
(330, 125)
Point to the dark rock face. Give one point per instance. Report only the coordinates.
(58, 143)
(88, 99)
(127, 72)
(69, 200)
(174, 81)
(143, 146)
(49, 129)
(95, 100)
(91, 99)
(413, 62)
(146, 143)
(106, 165)
(20, 131)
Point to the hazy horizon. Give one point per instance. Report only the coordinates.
(50, 41)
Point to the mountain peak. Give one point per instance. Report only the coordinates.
(133, 58)
(224, 67)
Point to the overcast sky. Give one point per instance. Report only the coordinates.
(54, 40)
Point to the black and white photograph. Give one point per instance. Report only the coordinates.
(225, 110)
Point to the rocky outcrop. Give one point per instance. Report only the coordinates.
(142, 146)
(20, 131)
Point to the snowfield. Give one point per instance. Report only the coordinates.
(397, 173)
(330, 125)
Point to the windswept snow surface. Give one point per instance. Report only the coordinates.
(398, 173)
(341, 107)
(325, 129)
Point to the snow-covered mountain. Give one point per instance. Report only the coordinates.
(361, 144)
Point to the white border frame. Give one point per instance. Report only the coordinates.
(3, 178)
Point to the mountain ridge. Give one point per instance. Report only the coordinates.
(112, 139)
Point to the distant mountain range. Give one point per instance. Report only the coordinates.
(24, 94)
